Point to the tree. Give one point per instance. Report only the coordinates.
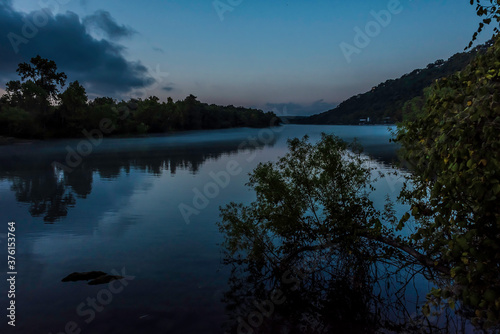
(73, 104)
(102, 101)
(193, 112)
(13, 95)
(38, 88)
(490, 12)
(43, 73)
(316, 199)
(454, 150)
(26, 95)
(29, 109)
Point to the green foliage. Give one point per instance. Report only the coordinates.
(72, 111)
(29, 109)
(490, 12)
(43, 73)
(412, 109)
(17, 122)
(454, 150)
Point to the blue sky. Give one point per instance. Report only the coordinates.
(253, 53)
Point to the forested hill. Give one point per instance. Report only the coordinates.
(384, 103)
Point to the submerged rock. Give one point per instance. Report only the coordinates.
(104, 279)
(73, 277)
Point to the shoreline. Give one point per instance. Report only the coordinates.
(27, 141)
(13, 140)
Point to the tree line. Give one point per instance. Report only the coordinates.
(34, 107)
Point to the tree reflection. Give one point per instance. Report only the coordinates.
(47, 196)
(50, 192)
(312, 295)
(312, 254)
(329, 290)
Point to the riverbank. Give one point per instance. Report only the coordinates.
(13, 140)
(106, 133)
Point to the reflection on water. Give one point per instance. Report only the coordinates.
(51, 191)
(119, 210)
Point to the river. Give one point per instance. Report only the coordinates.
(146, 208)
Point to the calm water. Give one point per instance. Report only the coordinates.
(119, 210)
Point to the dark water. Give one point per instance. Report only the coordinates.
(119, 210)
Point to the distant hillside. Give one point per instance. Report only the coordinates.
(292, 119)
(384, 103)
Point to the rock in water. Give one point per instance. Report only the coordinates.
(104, 279)
(83, 276)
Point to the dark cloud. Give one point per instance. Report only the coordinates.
(103, 21)
(98, 64)
(295, 109)
(168, 88)
(6, 3)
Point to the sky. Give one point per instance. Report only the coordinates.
(294, 57)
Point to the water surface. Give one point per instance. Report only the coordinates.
(118, 210)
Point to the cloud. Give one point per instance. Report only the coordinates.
(6, 3)
(295, 109)
(98, 64)
(104, 22)
(168, 88)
